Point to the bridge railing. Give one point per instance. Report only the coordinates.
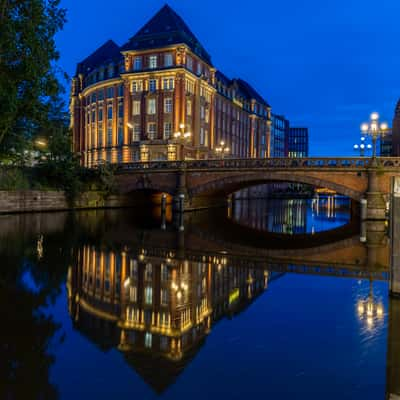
(255, 163)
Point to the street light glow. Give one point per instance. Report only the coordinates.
(374, 116)
(364, 127)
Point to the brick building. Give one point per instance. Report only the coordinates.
(159, 97)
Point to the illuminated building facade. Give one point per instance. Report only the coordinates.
(396, 132)
(297, 142)
(159, 97)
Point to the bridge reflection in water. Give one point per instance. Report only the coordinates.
(156, 294)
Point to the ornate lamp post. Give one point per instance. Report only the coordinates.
(222, 149)
(181, 137)
(374, 129)
(362, 147)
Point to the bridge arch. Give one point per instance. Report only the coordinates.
(225, 185)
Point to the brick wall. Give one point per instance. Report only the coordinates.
(30, 201)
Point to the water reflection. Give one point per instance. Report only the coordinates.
(292, 216)
(161, 298)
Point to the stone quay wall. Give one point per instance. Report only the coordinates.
(35, 201)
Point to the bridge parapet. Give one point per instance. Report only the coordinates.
(357, 163)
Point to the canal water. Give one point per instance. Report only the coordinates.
(272, 299)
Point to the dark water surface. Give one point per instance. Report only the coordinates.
(106, 304)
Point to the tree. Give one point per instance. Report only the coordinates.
(28, 75)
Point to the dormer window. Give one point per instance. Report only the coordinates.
(153, 62)
(168, 60)
(189, 63)
(137, 65)
(199, 69)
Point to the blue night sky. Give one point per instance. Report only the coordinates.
(322, 64)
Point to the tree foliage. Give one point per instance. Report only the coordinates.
(29, 85)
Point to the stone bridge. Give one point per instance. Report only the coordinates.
(203, 182)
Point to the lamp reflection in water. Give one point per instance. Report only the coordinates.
(369, 310)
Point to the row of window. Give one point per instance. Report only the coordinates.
(109, 92)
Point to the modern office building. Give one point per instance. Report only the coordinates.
(159, 97)
(297, 142)
(386, 144)
(279, 132)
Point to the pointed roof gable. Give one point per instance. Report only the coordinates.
(164, 29)
(109, 51)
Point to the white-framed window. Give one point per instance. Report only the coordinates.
(168, 60)
(202, 136)
(189, 85)
(152, 130)
(137, 86)
(153, 61)
(152, 85)
(189, 63)
(148, 295)
(207, 115)
(167, 130)
(133, 293)
(202, 112)
(148, 338)
(136, 133)
(164, 297)
(136, 107)
(168, 105)
(168, 83)
(137, 63)
(199, 68)
(151, 106)
(189, 107)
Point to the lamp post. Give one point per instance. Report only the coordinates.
(370, 310)
(182, 137)
(362, 147)
(374, 129)
(222, 149)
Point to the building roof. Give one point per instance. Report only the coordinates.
(250, 92)
(164, 29)
(108, 52)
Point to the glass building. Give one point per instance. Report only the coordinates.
(297, 142)
(279, 131)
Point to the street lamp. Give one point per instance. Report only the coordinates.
(374, 129)
(362, 147)
(182, 138)
(222, 149)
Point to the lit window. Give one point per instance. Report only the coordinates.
(168, 60)
(168, 105)
(133, 293)
(168, 83)
(148, 339)
(151, 106)
(167, 130)
(202, 112)
(199, 68)
(153, 62)
(137, 86)
(207, 115)
(152, 130)
(152, 85)
(137, 66)
(136, 108)
(148, 295)
(189, 108)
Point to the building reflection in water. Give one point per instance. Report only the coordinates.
(156, 309)
(291, 216)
